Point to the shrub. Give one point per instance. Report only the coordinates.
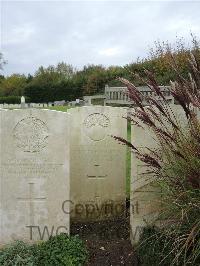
(175, 164)
(159, 247)
(58, 250)
(153, 246)
(18, 253)
(12, 100)
(61, 250)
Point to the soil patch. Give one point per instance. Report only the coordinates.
(107, 242)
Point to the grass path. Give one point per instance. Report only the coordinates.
(59, 108)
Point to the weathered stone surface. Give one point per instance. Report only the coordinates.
(34, 174)
(145, 195)
(98, 162)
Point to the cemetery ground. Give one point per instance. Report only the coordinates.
(107, 242)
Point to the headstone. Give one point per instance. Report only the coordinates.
(145, 197)
(98, 162)
(59, 103)
(22, 102)
(16, 106)
(34, 174)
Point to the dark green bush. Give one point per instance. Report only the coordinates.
(159, 247)
(154, 248)
(12, 100)
(18, 253)
(61, 250)
(58, 250)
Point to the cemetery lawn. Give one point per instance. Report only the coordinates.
(59, 108)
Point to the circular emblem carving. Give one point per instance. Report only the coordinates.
(96, 126)
(31, 134)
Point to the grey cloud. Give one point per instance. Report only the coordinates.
(108, 33)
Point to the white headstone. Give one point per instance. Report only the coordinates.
(22, 102)
(34, 174)
(145, 195)
(98, 162)
(22, 99)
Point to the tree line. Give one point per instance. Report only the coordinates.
(65, 82)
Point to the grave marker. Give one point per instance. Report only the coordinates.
(34, 174)
(98, 162)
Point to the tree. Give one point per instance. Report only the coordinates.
(52, 83)
(66, 70)
(13, 85)
(94, 78)
(2, 61)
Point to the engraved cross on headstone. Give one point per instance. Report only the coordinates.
(31, 199)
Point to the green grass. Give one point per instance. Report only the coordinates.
(97, 101)
(59, 108)
(128, 162)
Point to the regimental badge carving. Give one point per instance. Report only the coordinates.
(31, 134)
(97, 126)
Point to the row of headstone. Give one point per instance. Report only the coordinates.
(10, 106)
(55, 166)
(47, 155)
(25, 105)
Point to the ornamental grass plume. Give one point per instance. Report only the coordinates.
(175, 163)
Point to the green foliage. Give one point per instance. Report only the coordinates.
(12, 100)
(52, 83)
(159, 247)
(59, 250)
(64, 108)
(18, 253)
(174, 163)
(161, 60)
(64, 82)
(13, 85)
(153, 248)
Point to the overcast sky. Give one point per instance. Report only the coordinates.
(35, 33)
